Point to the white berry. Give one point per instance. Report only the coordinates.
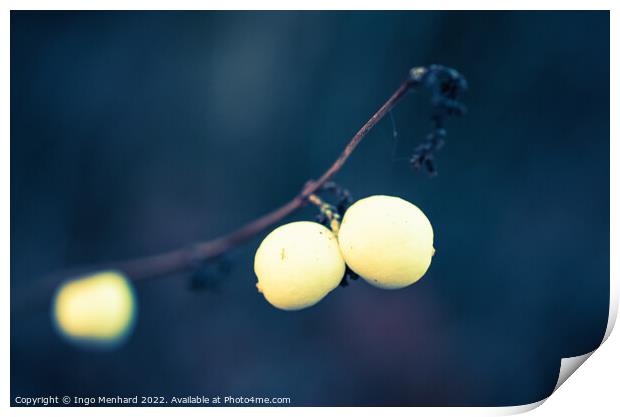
(387, 241)
(298, 264)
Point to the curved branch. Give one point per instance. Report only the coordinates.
(187, 258)
(446, 84)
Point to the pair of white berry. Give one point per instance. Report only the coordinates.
(386, 240)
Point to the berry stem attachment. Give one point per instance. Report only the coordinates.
(330, 212)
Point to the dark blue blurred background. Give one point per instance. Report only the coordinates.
(134, 133)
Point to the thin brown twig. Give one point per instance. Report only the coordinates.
(189, 257)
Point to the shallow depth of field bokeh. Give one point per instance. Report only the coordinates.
(134, 133)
